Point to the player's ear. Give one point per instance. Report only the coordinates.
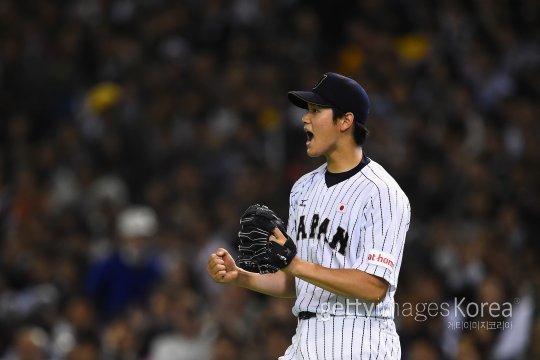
(346, 121)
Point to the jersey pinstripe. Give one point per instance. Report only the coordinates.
(343, 338)
(359, 223)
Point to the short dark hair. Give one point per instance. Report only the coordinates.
(360, 131)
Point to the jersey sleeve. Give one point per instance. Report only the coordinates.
(385, 223)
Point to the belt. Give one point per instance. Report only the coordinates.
(306, 315)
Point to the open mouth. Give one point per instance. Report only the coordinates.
(309, 136)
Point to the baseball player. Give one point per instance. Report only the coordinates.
(341, 253)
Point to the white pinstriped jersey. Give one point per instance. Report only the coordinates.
(344, 338)
(358, 223)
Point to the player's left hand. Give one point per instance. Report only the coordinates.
(281, 239)
(278, 237)
(264, 246)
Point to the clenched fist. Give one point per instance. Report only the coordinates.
(222, 268)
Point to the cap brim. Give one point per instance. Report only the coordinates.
(302, 98)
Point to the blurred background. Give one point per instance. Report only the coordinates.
(133, 134)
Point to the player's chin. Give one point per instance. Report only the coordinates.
(313, 153)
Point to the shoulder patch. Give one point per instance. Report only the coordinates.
(380, 258)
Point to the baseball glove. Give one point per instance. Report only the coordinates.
(257, 253)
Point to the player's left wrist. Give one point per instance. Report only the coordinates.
(293, 267)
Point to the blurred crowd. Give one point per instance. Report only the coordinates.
(133, 134)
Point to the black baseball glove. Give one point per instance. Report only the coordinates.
(257, 253)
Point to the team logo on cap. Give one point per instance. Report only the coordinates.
(320, 81)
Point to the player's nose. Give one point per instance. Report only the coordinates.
(306, 118)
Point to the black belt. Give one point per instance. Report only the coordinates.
(306, 315)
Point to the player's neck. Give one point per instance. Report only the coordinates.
(341, 160)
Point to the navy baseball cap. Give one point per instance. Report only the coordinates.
(337, 91)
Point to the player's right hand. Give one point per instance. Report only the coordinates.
(221, 267)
